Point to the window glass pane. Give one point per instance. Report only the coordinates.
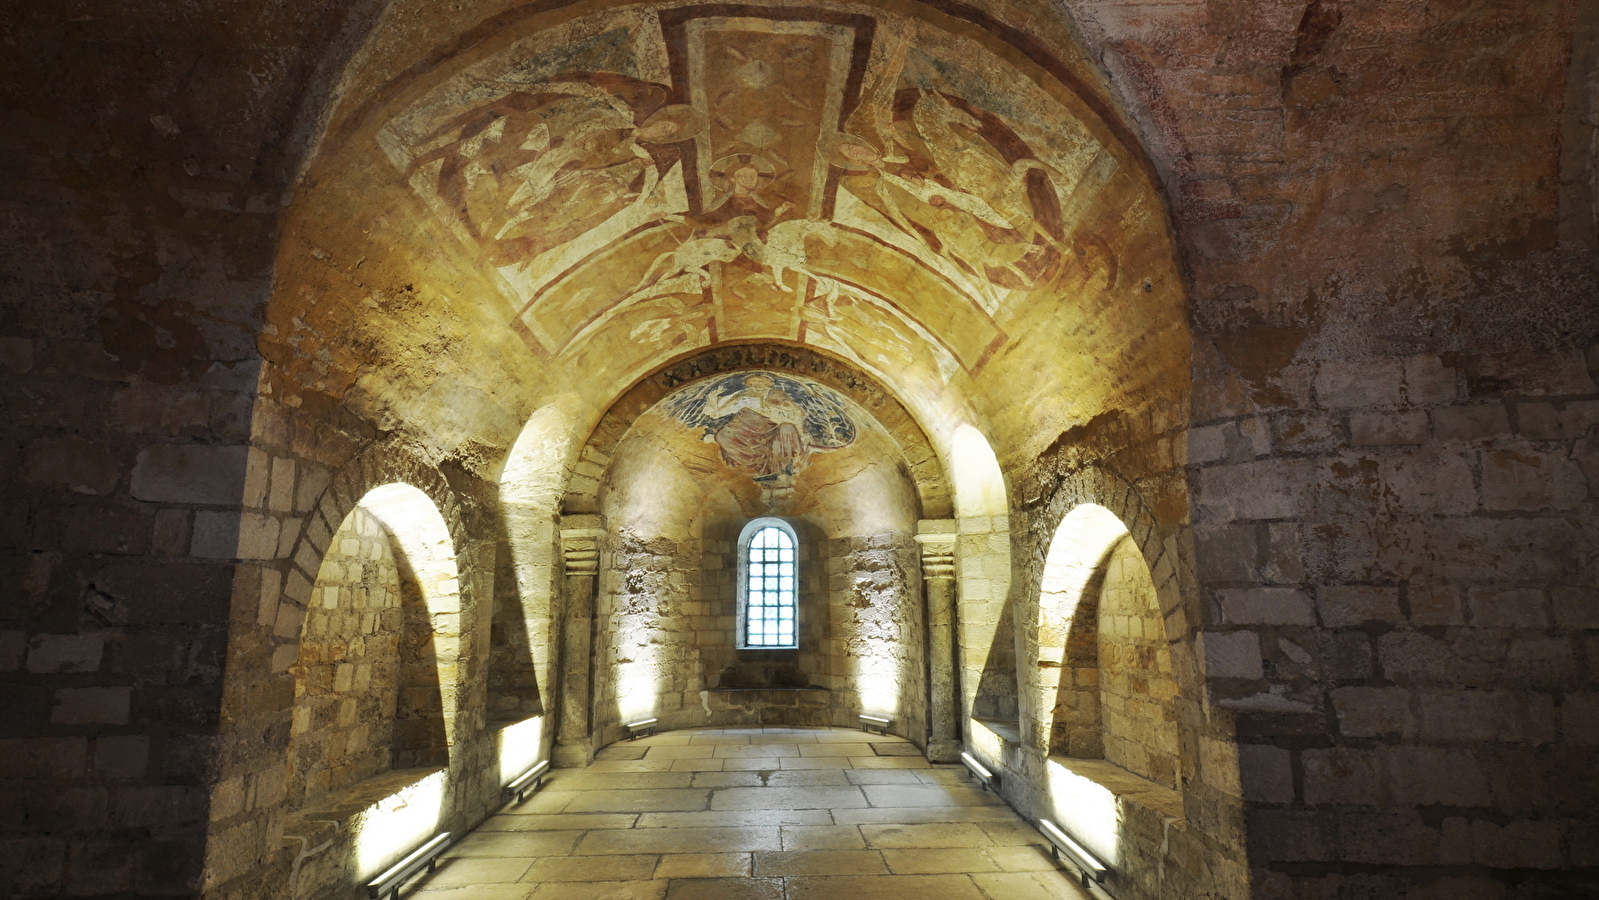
(770, 589)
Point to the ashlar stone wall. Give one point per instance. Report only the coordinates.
(1138, 695)
(347, 678)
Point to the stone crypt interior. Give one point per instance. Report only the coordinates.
(1183, 411)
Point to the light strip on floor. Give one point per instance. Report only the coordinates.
(525, 782)
(878, 722)
(642, 727)
(1061, 843)
(985, 777)
(426, 855)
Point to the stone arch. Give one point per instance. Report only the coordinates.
(376, 674)
(428, 520)
(1090, 512)
(1104, 668)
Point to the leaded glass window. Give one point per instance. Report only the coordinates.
(769, 588)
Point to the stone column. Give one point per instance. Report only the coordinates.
(937, 537)
(580, 550)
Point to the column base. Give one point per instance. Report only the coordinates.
(572, 756)
(944, 751)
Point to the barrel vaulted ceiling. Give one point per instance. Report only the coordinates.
(588, 192)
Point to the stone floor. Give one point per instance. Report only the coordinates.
(754, 814)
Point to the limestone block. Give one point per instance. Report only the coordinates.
(1231, 654)
(44, 757)
(1426, 776)
(1517, 845)
(257, 478)
(258, 536)
(1371, 712)
(1576, 607)
(1265, 773)
(170, 534)
(1291, 835)
(281, 496)
(1538, 421)
(1342, 605)
(159, 805)
(121, 756)
(1436, 605)
(190, 473)
(1266, 489)
(1428, 380)
(1342, 776)
(1531, 481)
(1579, 718)
(1470, 423)
(73, 463)
(1266, 606)
(1364, 382)
(1517, 608)
(216, 535)
(1430, 480)
(65, 653)
(13, 646)
(16, 354)
(1381, 838)
(1207, 444)
(91, 706)
(1491, 716)
(1387, 429)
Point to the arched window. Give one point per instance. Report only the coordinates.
(768, 586)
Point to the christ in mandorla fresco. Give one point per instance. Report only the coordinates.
(765, 425)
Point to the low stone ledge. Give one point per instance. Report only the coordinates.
(328, 842)
(769, 697)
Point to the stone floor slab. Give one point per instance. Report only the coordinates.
(726, 889)
(704, 865)
(821, 862)
(823, 837)
(471, 870)
(589, 868)
(506, 844)
(788, 798)
(754, 814)
(928, 836)
(938, 862)
(617, 801)
(680, 840)
(736, 818)
(890, 887)
(607, 890)
(1029, 886)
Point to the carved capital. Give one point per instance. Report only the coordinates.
(937, 537)
(580, 544)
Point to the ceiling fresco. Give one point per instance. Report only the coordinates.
(775, 443)
(710, 173)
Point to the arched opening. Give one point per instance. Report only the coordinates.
(686, 489)
(1105, 683)
(368, 695)
(375, 688)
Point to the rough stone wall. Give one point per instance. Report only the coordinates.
(879, 631)
(1137, 691)
(347, 677)
(1393, 451)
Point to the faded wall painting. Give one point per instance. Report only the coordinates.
(766, 426)
(710, 172)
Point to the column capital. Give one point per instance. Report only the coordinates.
(937, 537)
(580, 544)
